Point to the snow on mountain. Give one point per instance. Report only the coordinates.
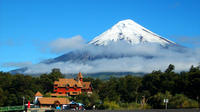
(131, 32)
(110, 52)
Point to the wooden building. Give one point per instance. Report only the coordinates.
(49, 102)
(37, 95)
(72, 87)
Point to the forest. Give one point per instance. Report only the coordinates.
(127, 92)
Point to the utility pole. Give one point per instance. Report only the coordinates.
(198, 101)
(23, 100)
(166, 101)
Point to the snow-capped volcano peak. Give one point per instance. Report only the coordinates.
(129, 31)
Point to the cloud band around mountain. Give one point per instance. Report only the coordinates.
(138, 58)
(63, 45)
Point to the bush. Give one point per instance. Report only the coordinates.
(157, 100)
(181, 101)
(111, 105)
(133, 106)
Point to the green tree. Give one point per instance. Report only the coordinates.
(128, 88)
(151, 82)
(2, 97)
(170, 69)
(109, 90)
(55, 74)
(88, 99)
(156, 101)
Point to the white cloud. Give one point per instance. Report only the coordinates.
(16, 64)
(63, 45)
(190, 40)
(130, 59)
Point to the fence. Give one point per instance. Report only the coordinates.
(11, 108)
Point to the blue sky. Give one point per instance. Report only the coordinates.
(27, 26)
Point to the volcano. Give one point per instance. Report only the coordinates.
(125, 40)
(129, 31)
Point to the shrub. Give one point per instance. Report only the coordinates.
(181, 101)
(111, 105)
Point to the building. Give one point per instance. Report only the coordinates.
(72, 87)
(49, 102)
(62, 89)
(37, 95)
(58, 95)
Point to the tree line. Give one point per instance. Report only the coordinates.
(14, 87)
(128, 92)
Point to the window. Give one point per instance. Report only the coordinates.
(74, 92)
(60, 93)
(67, 85)
(75, 85)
